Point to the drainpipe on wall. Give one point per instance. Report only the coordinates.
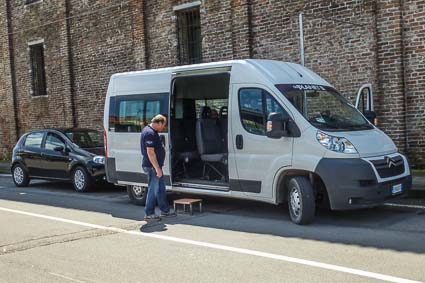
(301, 24)
(145, 32)
(12, 67)
(250, 30)
(70, 61)
(404, 76)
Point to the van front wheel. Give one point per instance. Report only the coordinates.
(301, 200)
(137, 194)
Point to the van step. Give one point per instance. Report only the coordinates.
(201, 186)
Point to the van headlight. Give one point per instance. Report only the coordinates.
(99, 159)
(337, 144)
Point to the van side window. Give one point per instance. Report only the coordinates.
(131, 113)
(255, 105)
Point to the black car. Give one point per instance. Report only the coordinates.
(75, 155)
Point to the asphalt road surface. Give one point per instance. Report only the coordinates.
(49, 233)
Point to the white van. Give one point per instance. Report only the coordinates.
(252, 129)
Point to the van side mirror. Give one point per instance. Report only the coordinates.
(370, 115)
(277, 126)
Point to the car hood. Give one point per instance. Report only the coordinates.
(370, 142)
(91, 151)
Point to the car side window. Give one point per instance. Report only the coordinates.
(53, 141)
(255, 105)
(34, 140)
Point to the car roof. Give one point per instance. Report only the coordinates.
(70, 130)
(62, 130)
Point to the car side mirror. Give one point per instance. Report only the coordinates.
(59, 149)
(370, 115)
(277, 126)
(62, 149)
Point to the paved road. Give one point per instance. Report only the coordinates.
(49, 233)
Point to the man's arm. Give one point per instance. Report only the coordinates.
(154, 161)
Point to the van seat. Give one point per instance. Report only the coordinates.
(209, 141)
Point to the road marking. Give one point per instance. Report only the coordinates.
(66, 277)
(327, 266)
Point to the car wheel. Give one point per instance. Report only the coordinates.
(20, 176)
(301, 200)
(81, 179)
(137, 194)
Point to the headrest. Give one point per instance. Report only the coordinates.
(205, 112)
(223, 112)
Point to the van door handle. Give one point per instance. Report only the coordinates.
(239, 141)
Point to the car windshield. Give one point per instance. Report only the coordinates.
(324, 107)
(86, 138)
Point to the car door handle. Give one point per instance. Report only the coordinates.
(239, 141)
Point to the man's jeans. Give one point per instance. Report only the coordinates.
(156, 193)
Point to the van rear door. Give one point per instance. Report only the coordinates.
(128, 115)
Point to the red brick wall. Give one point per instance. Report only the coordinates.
(7, 120)
(102, 44)
(414, 58)
(29, 24)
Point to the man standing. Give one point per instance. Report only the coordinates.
(153, 154)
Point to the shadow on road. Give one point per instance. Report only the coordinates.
(383, 228)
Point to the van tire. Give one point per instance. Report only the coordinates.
(20, 176)
(81, 179)
(301, 200)
(137, 194)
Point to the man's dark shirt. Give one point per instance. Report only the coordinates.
(150, 138)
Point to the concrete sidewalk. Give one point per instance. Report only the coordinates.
(4, 167)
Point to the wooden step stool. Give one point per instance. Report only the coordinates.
(190, 202)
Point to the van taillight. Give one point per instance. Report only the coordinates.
(105, 142)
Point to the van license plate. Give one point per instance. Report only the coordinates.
(397, 189)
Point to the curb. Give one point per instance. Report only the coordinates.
(415, 206)
(5, 175)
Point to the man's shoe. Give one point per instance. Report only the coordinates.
(168, 214)
(152, 217)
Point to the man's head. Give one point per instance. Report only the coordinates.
(159, 122)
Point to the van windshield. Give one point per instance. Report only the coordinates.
(324, 107)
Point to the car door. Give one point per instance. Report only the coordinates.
(54, 161)
(31, 154)
(257, 157)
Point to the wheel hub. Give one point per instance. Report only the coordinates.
(295, 201)
(79, 179)
(18, 175)
(138, 191)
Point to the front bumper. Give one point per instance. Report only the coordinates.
(97, 171)
(351, 183)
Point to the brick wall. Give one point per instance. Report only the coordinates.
(348, 42)
(102, 44)
(414, 55)
(29, 25)
(7, 118)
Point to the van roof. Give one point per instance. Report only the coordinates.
(276, 72)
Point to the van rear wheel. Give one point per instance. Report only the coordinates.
(137, 194)
(301, 200)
